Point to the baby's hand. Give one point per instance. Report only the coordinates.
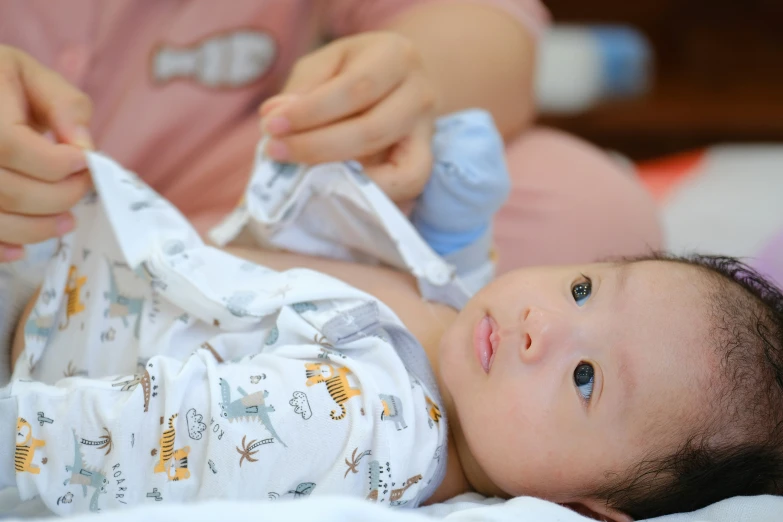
(364, 97)
(39, 180)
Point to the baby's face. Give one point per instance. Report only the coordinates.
(560, 375)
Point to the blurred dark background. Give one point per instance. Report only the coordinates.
(718, 75)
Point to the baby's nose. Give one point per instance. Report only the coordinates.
(539, 332)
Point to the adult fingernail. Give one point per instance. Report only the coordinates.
(276, 101)
(80, 164)
(82, 139)
(277, 150)
(12, 253)
(64, 224)
(277, 125)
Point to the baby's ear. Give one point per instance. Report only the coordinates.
(598, 510)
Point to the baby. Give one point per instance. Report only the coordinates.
(623, 390)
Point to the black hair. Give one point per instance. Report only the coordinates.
(739, 451)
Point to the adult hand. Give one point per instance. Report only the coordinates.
(41, 178)
(364, 97)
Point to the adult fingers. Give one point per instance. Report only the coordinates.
(407, 169)
(365, 79)
(21, 148)
(273, 103)
(308, 72)
(16, 229)
(20, 194)
(386, 123)
(24, 150)
(56, 103)
(9, 253)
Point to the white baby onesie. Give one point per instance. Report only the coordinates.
(183, 372)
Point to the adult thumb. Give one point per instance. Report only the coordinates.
(56, 104)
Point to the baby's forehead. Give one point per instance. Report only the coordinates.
(658, 339)
(663, 317)
(667, 276)
(676, 293)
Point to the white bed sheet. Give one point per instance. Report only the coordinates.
(464, 508)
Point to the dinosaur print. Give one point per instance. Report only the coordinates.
(148, 388)
(25, 448)
(128, 384)
(253, 405)
(379, 485)
(170, 457)
(84, 477)
(396, 494)
(146, 380)
(336, 384)
(392, 410)
(73, 290)
(122, 306)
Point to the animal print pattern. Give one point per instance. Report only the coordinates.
(86, 476)
(170, 458)
(122, 306)
(179, 422)
(336, 384)
(392, 411)
(433, 412)
(73, 290)
(25, 448)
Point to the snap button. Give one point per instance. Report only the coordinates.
(437, 273)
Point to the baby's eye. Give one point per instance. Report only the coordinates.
(584, 376)
(582, 291)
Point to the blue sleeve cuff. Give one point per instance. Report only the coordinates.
(445, 243)
(468, 185)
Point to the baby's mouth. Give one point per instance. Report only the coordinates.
(486, 341)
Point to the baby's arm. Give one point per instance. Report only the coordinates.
(468, 185)
(426, 320)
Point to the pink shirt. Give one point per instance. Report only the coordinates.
(176, 83)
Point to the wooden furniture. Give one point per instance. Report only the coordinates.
(719, 75)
